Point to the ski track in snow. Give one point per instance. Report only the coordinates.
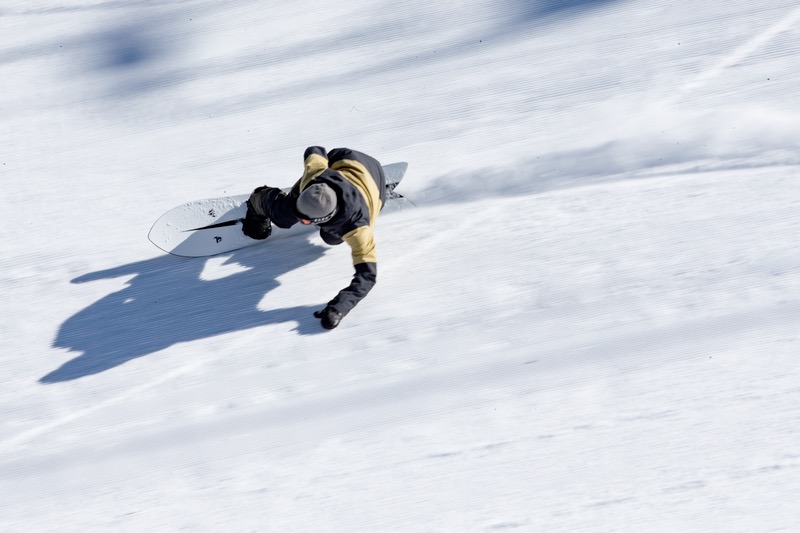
(741, 53)
(8, 445)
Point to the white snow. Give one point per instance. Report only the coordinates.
(591, 322)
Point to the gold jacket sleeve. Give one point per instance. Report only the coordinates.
(362, 245)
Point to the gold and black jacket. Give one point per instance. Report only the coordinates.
(360, 187)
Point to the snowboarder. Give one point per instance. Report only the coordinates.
(341, 192)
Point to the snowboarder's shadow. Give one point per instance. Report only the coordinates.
(167, 302)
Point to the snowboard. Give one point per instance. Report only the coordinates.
(213, 226)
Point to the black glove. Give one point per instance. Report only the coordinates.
(256, 226)
(329, 316)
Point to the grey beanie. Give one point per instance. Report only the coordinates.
(317, 201)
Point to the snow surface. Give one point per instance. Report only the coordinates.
(591, 323)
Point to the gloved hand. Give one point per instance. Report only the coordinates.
(275, 204)
(329, 316)
(256, 226)
(265, 194)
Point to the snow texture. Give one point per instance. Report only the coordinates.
(590, 323)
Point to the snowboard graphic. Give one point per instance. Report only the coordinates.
(213, 226)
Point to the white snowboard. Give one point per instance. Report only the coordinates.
(213, 226)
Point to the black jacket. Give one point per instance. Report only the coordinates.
(360, 187)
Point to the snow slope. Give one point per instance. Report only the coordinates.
(591, 322)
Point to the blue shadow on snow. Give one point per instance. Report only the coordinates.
(167, 302)
(551, 8)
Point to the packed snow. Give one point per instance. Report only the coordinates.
(591, 321)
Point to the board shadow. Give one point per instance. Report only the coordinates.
(167, 301)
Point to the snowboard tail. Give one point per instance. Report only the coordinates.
(212, 226)
(394, 174)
